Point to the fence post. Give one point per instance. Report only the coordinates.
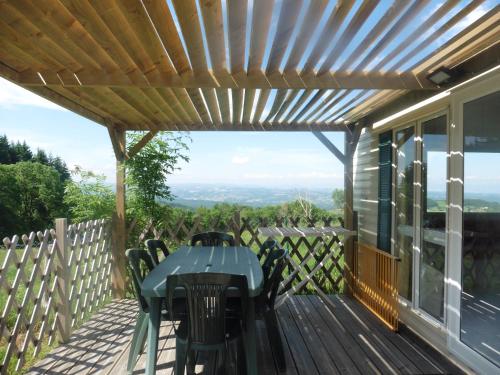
(63, 273)
(237, 228)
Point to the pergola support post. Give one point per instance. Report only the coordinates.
(118, 274)
(351, 141)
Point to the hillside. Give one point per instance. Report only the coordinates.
(194, 196)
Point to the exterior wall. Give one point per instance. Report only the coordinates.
(365, 199)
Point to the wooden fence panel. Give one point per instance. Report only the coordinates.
(376, 283)
(34, 273)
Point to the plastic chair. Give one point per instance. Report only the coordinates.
(273, 267)
(153, 246)
(265, 248)
(207, 326)
(212, 239)
(141, 264)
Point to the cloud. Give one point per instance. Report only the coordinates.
(239, 160)
(12, 96)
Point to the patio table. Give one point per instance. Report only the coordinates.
(237, 260)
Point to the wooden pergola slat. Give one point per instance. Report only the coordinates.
(150, 65)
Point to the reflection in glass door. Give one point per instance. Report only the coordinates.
(403, 236)
(433, 216)
(480, 299)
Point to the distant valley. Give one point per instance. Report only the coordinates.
(193, 195)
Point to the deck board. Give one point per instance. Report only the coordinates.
(337, 336)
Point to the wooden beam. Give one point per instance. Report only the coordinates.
(45, 92)
(142, 142)
(354, 139)
(330, 146)
(118, 145)
(8, 73)
(329, 80)
(118, 272)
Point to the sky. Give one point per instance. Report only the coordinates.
(273, 159)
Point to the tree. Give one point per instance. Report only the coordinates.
(20, 152)
(41, 157)
(9, 201)
(338, 198)
(4, 150)
(31, 197)
(89, 197)
(147, 172)
(60, 166)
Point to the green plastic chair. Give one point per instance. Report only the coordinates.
(141, 264)
(208, 327)
(212, 239)
(272, 268)
(153, 246)
(266, 247)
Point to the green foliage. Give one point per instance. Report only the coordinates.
(32, 195)
(338, 198)
(8, 201)
(20, 152)
(147, 172)
(89, 197)
(11, 153)
(4, 150)
(31, 188)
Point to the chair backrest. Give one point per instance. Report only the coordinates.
(152, 246)
(212, 239)
(272, 268)
(206, 295)
(141, 264)
(266, 247)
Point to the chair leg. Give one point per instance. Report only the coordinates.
(191, 362)
(221, 370)
(180, 356)
(140, 330)
(274, 335)
(241, 363)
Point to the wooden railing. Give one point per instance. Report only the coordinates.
(376, 281)
(315, 264)
(50, 282)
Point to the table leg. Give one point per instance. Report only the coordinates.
(153, 332)
(250, 339)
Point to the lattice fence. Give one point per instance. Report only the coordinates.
(90, 264)
(35, 270)
(315, 264)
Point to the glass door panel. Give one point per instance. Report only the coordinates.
(480, 298)
(403, 244)
(432, 255)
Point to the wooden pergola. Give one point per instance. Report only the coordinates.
(189, 65)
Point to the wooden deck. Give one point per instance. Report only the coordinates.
(340, 337)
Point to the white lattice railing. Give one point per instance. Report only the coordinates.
(50, 282)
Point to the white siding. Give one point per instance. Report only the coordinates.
(365, 198)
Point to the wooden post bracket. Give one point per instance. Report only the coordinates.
(139, 145)
(329, 145)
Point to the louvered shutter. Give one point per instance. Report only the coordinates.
(384, 191)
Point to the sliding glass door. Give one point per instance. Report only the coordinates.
(433, 216)
(403, 215)
(480, 293)
(420, 196)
